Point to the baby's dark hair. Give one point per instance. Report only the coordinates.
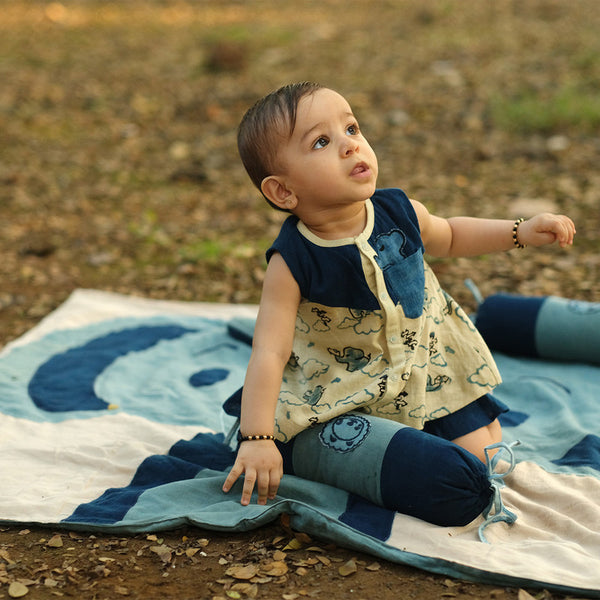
(272, 117)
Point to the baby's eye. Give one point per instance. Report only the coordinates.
(320, 143)
(352, 129)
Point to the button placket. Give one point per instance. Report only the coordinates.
(393, 340)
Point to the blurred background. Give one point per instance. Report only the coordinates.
(118, 161)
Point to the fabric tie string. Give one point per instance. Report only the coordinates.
(496, 511)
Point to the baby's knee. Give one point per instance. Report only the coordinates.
(476, 441)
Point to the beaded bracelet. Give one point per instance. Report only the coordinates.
(253, 438)
(515, 237)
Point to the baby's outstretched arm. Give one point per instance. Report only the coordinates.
(468, 236)
(259, 460)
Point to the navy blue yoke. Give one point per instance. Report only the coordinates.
(333, 275)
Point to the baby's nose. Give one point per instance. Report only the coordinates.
(349, 147)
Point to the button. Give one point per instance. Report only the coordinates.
(393, 339)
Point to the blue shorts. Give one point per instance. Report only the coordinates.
(479, 413)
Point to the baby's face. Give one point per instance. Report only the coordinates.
(327, 159)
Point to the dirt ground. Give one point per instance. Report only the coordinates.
(118, 171)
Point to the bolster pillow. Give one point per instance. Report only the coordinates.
(545, 327)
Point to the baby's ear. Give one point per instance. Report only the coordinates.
(273, 187)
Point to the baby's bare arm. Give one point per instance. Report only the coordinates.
(469, 236)
(260, 461)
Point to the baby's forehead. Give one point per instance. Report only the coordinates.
(321, 106)
(323, 98)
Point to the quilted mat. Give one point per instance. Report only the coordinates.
(111, 420)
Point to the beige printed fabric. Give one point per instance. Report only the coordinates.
(381, 362)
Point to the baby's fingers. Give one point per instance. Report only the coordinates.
(566, 239)
(262, 487)
(274, 485)
(233, 476)
(249, 481)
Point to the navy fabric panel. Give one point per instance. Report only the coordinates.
(478, 413)
(66, 381)
(323, 273)
(207, 377)
(586, 453)
(512, 418)
(432, 479)
(368, 518)
(233, 405)
(396, 238)
(206, 450)
(507, 323)
(113, 505)
(287, 454)
(184, 461)
(398, 208)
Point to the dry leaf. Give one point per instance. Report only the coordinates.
(274, 569)
(324, 560)
(248, 589)
(242, 571)
(373, 567)
(55, 541)
(163, 552)
(17, 590)
(279, 555)
(348, 568)
(284, 521)
(294, 544)
(261, 579)
(523, 595)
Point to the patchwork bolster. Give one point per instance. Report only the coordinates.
(393, 466)
(545, 327)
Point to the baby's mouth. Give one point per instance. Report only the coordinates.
(360, 169)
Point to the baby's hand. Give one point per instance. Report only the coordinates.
(546, 228)
(262, 465)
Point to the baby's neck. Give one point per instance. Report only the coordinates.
(349, 222)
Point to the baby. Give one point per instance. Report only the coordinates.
(355, 344)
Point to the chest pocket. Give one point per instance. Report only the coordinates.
(403, 271)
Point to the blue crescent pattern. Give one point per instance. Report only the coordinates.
(155, 367)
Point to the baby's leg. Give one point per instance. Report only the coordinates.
(476, 441)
